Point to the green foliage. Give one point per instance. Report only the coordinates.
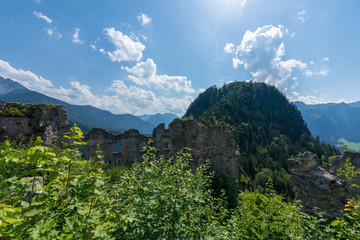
(164, 199)
(265, 216)
(349, 172)
(351, 145)
(69, 201)
(48, 192)
(16, 110)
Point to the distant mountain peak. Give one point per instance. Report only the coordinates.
(7, 85)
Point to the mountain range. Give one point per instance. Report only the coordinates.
(86, 117)
(334, 123)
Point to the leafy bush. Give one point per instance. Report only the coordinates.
(49, 192)
(71, 204)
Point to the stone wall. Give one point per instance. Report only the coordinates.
(50, 122)
(215, 144)
(46, 121)
(123, 149)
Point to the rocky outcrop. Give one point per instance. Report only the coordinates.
(215, 144)
(338, 162)
(316, 187)
(44, 120)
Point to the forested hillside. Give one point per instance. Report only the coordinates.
(268, 128)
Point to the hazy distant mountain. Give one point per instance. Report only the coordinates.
(86, 117)
(156, 119)
(333, 121)
(8, 85)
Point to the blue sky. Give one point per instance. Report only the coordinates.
(144, 57)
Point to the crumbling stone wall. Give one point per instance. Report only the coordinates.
(50, 122)
(123, 149)
(316, 187)
(216, 144)
(46, 121)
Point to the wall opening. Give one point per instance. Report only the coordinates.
(116, 148)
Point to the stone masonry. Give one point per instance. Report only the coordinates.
(215, 144)
(46, 121)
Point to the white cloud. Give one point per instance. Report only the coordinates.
(145, 101)
(93, 46)
(262, 53)
(322, 72)
(76, 38)
(309, 73)
(126, 48)
(301, 16)
(43, 17)
(37, 1)
(242, 3)
(229, 48)
(123, 99)
(308, 99)
(26, 78)
(326, 59)
(144, 19)
(145, 73)
(53, 32)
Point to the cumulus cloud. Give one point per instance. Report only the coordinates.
(145, 73)
(76, 38)
(26, 78)
(145, 101)
(43, 17)
(123, 99)
(322, 72)
(301, 16)
(262, 52)
(144, 19)
(229, 48)
(308, 99)
(126, 48)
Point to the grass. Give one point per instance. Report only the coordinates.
(352, 145)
